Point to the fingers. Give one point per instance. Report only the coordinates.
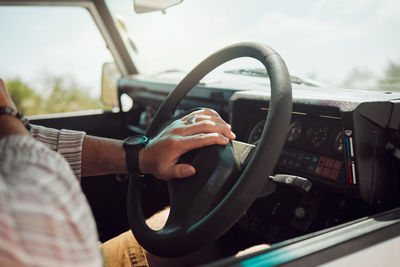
(209, 126)
(2, 85)
(3, 90)
(219, 120)
(204, 111)
(205, 121)
(5, 99)
(198, 129)
(201, 140)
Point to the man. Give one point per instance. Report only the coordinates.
(45, 219)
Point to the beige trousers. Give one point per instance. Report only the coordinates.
(123, 251)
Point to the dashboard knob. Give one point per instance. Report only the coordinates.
(300, 213)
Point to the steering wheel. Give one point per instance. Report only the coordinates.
(206, 205)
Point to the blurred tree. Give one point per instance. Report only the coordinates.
(67, 96)
(360, 79)
(365, 79)
(24, 97)
(391, 79)
(64, 95)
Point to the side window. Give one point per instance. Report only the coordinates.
(51, 58)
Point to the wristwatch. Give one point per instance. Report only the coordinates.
(132, 146)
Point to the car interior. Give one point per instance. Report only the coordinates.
(337, 163)
(312, 166)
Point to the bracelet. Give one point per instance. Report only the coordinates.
(17, 114)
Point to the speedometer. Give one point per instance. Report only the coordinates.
(317, 136)
(256, 132)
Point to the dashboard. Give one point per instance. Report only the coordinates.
(337, 140)
(338, 144)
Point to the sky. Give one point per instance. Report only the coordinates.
(325, 39)
(321, 39)
(42, 42)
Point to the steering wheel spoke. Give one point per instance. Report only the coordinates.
(193, 198)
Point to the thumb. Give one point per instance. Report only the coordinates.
(183, 170)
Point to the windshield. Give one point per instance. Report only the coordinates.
(343, 43)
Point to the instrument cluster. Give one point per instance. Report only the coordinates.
(314, 146)
(314, 135)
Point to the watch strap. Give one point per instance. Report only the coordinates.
(132, 155)
(132, 160)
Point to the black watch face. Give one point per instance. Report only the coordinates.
(135, 140)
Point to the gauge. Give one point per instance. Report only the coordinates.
(337, 143)
(294, 132)
(256, 132)
(317, 136)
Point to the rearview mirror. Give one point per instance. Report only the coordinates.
(109, 90)
(145, 6)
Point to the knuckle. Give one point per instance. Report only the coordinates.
(220, 136)
(222, 139)
(193, 113)
(210, 110)
(212, 137)
(207, 123)
(202, 117)
(227, 131)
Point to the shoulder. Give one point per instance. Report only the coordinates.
(44, 203)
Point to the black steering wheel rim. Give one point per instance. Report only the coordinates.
(178, 242)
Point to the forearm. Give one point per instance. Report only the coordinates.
(102, 156)
(11, 126)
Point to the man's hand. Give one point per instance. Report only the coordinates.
(9, 125)
(198, 129)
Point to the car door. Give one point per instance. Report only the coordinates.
(52, 53)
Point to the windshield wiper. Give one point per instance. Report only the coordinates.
(171, 71)
(263, 73)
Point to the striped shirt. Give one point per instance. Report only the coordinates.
(45, 219)
(66, 142)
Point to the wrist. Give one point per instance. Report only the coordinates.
(11, 111)
(133, 146)
(142, 161)
(11, 126)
